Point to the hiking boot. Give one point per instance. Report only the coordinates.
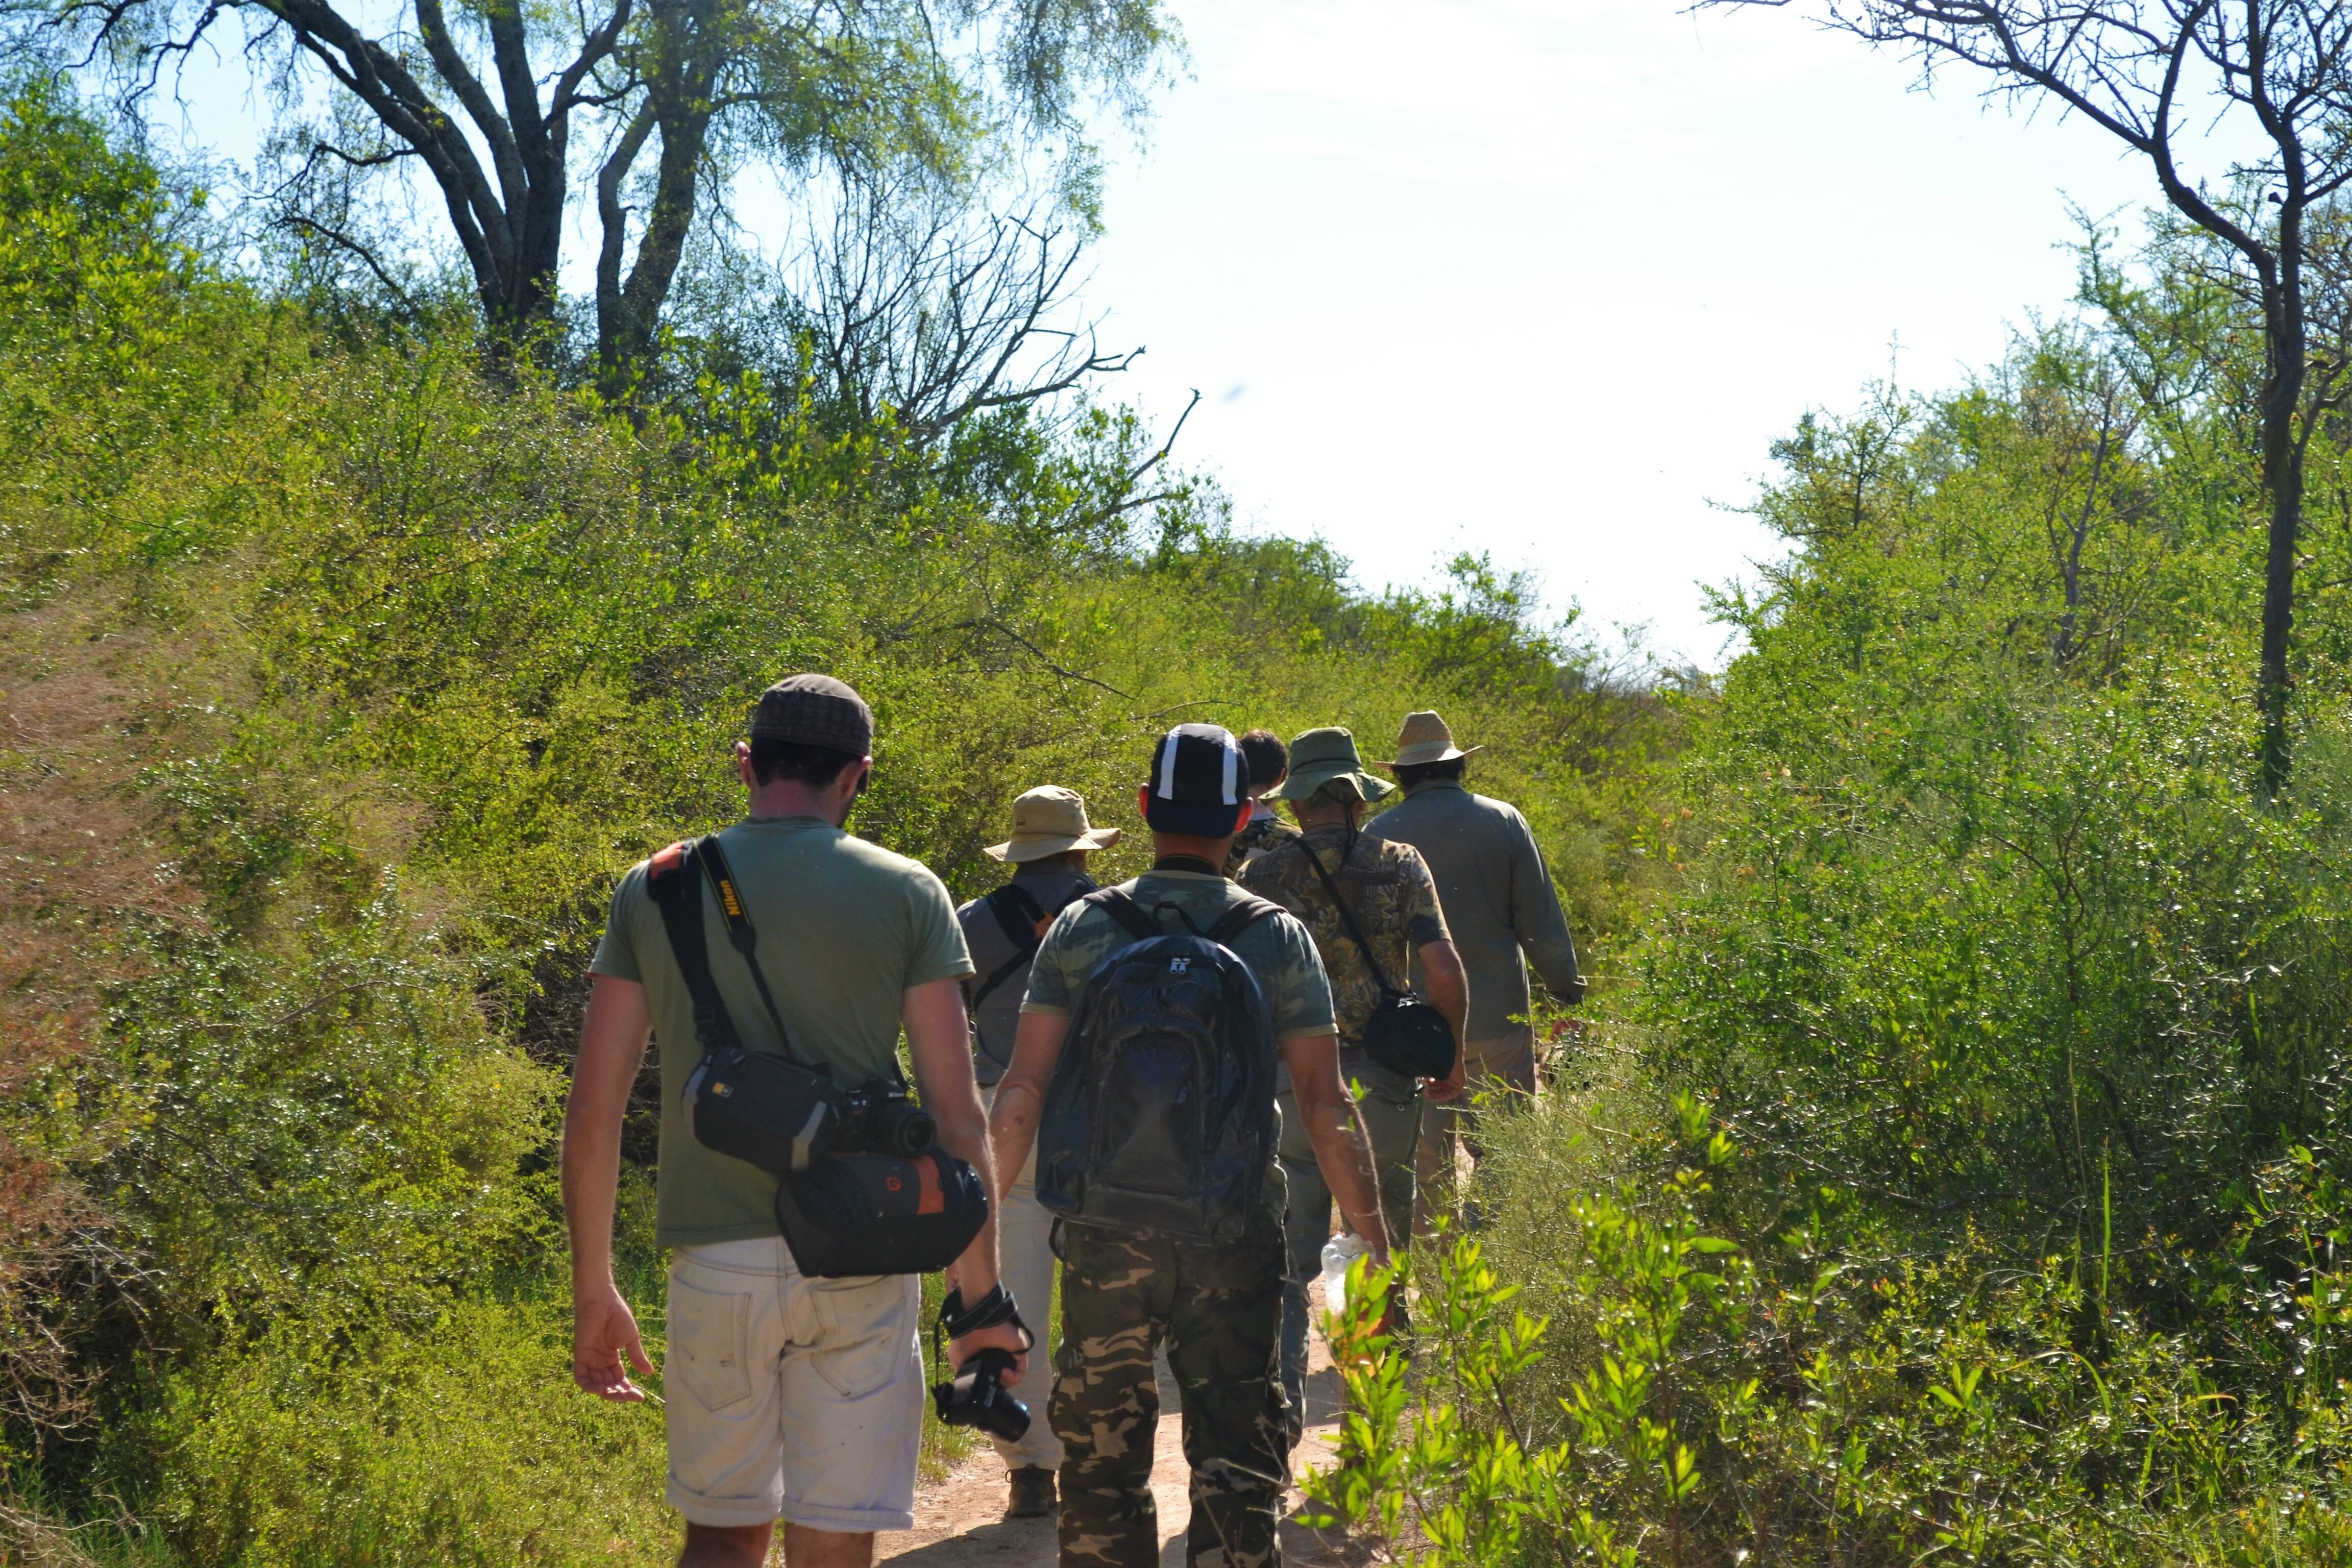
(1033, 1493)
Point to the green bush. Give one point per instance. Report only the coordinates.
(380, 671)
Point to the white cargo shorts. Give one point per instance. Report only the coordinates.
(790, 1397)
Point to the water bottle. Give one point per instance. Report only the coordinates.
(1338, 1253)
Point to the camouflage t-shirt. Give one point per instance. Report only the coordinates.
(1262, 834)
(1278, 951)
(1389, 889)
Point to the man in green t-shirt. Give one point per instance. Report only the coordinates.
(1218, 1307)
(787, 1397)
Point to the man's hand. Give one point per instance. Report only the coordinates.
(612, 1043)
(998, 1336)
(604, 1330)
(1447, 1088)
(1448, 985)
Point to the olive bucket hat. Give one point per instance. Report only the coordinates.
(1050, 820)
(1322, 756)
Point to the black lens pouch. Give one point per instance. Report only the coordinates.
(779, 1115)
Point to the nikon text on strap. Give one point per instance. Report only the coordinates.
(739, 932)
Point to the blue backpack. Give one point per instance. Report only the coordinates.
(1160, 1115)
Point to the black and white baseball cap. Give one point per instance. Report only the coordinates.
(1199, 781)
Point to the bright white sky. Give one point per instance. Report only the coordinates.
(1542, 281)
(1545, 281)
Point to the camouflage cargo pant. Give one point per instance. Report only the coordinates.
(1219, 1310)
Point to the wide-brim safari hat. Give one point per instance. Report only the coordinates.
(1425, 738)
(1051, 820)
(1321, 756)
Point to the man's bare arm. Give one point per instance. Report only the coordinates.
(1447, 986)
(1341, 1151)
(939, 1041)
(612, 1045)
(1020, 1094)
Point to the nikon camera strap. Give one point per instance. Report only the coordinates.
(670, 879)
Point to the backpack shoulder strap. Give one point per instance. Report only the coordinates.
(1019, 915)
(1127, 912)
(676, 892)
(1023, 927)
(1240, 918)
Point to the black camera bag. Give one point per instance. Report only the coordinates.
(841, 1214)
(1405, 1033)
(879, 1213)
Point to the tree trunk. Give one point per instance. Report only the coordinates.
(690, 42)
(2283, 477)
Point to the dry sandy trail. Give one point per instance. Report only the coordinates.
(960, 1522)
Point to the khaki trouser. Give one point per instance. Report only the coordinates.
(1025, 1262)
(1491, 1068)
(791, 1396)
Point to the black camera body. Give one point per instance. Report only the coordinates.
(978, 1397)
(882, 1118)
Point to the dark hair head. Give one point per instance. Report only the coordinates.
(815, 766)
(1068, 861)
(1412, 774)
(1268, 757)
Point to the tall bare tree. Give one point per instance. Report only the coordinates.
(2171, 78)
(499, 102)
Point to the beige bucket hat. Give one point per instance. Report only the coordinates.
(1051, 820)
(1425, 738)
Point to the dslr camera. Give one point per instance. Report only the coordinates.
(978, 1397)
(882, 1118)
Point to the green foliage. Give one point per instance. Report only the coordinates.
(380, 671)
(2026, 1023)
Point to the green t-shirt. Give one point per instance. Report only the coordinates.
(1277, 950)
(845, 928)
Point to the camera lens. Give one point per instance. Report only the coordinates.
(905, 1129)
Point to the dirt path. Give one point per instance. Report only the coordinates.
(961, 1522)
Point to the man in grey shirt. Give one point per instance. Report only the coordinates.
(1051, 838)
(1499, 903)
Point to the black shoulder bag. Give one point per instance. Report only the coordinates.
(846, 1206)
(1405, 1033)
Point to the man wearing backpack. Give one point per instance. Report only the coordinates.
(1373, 909)
(1499, 903)
(787, 1395)
(1051, 839)
(1148, 1060)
